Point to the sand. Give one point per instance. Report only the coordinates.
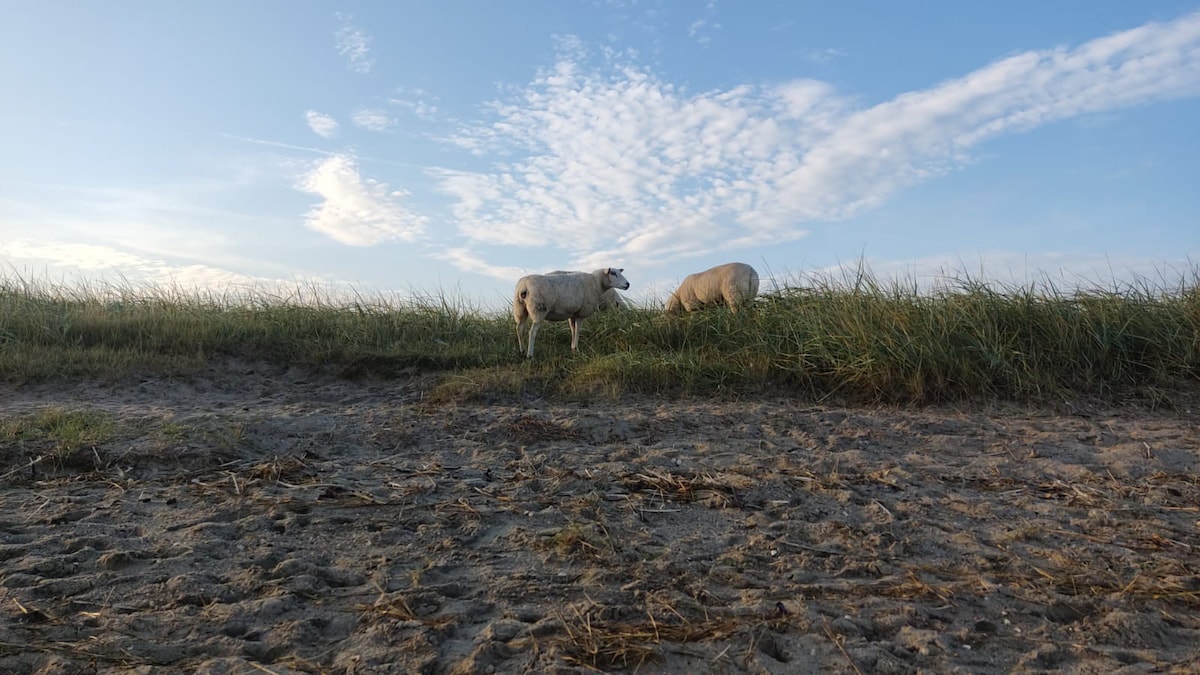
(260, 520)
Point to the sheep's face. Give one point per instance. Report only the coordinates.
(616, 279)
(674, 306)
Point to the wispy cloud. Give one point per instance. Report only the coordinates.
(419, 102)
(198, 219)
(354, 210)
(703, 28)
(467, 261)
(612, 162)
(821, 56)
(625, 164)
(79, 256)
(1005, 269)
(321, 124)
(373, 119)
(125, 268)
(109, 269)
(354, 44)
(276, 144)
(419, 108)
(317, 151)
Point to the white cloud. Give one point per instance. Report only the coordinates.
(199, 219)
(354, 44)
(629, 166)
(354, 210)
(468, 261)
(703, 29)
(421, 109)
(79, 256)
(321, 124)
(613, 163)
(419, 102)
(874, 152)
(106, 270)
(373, 119)
(126, 269)
(821, 56)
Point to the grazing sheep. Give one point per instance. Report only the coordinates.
(732, 284)
(611, 300)
(561, 296)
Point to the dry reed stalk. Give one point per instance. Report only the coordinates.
(683, 488)
(397, 607)
(839, 642)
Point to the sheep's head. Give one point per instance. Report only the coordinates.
(616, 279)
(674, 306)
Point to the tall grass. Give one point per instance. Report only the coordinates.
(854, 339)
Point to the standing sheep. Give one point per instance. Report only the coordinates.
(732, 284)
(561, 296)
(611, 299)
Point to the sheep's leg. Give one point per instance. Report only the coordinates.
(533, 331)
(574, 333)
(520, 315)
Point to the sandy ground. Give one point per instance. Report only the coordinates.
(256, 520)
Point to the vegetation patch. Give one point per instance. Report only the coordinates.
(56, 437)
(852, 339)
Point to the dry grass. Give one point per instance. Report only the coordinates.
(396, 607)
(718, 491)
(589, 638)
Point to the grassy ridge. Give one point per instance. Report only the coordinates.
(853, 339)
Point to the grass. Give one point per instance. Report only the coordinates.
(57, 436)
(853, 339)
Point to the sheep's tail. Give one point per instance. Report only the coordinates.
(520, 310)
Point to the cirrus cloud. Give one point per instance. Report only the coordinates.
(354, 44)
(373, 119)
(612, 161)
(321, 124)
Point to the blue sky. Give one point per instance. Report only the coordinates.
(451, 146)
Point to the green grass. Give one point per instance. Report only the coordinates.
(61, 436)
(852, 339)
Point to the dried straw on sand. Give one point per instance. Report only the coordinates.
(259, 521)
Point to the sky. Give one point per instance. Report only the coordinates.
(447, 147)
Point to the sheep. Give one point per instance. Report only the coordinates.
(561, 296)
(611, 299)
(733, 284)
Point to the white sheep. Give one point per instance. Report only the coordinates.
(611, 299)
(561, 296)
(732, 284)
